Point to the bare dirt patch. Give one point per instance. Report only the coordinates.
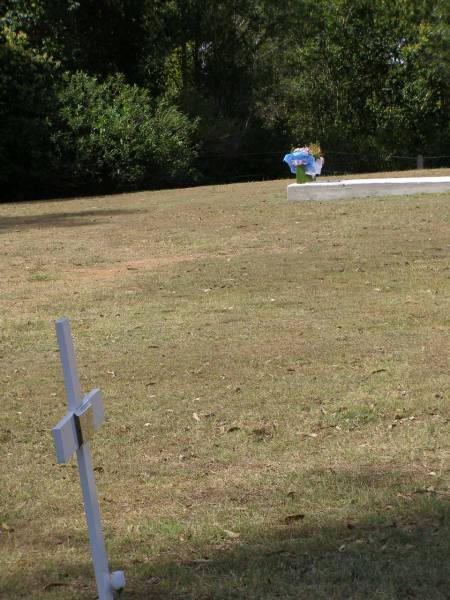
(143, 264)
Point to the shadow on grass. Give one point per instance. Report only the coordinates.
(383, 557)
(63, 219)
(377, 559)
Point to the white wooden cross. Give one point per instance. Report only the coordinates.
(72, 434)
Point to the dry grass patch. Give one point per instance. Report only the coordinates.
(276, 385)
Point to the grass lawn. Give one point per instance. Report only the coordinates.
(276, 384)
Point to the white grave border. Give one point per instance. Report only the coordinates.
(345, 189)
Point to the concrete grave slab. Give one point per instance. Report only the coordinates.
(345, 189)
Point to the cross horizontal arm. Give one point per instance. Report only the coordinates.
(65, 438)
(95, 398)
(65, 434)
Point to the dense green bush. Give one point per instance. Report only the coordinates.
(111, 135)
(71, 133)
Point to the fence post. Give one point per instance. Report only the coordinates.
(419, 161)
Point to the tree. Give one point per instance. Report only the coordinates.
(27, 100)
(369, 80)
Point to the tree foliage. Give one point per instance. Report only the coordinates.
(112, 135)
(27, 100)
(239, 80)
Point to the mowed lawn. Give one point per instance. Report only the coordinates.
(276, 382)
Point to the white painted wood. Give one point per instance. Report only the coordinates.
(364, 188)
(69, 362)
(68, 440)
(65, 438)
(94, 399)
(65, 434)
(92, 509)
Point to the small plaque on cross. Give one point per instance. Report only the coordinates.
(84, 424)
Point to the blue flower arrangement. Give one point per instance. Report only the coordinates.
(310, 158)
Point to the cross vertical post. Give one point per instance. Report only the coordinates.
(72, 434)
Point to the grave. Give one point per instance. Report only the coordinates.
(345, 189)
(71, 435)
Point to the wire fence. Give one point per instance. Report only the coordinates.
(259, 166)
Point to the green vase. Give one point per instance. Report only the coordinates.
(301, 176)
